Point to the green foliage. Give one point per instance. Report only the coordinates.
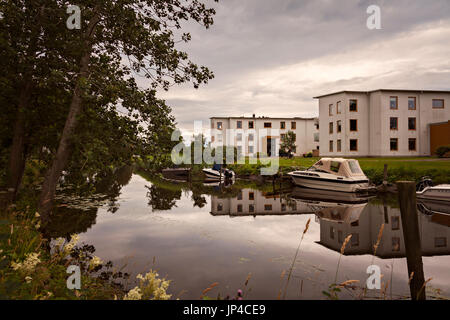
(442, 150)
(287, 146)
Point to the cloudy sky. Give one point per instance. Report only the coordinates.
(270, 57)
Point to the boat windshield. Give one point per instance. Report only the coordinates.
(354, 167)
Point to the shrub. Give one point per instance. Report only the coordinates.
(442, 150)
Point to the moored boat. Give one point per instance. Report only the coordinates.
(179, 174)
(438, 193)
(217, 173)
(337, 174)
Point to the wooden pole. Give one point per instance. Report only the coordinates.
(411, 237)
(385, 173)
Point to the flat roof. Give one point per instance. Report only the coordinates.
(389, 90)
(265, 118)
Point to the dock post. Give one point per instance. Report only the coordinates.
(385, 174)
(411, 238)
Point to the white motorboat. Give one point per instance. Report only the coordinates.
(337, 174)
(438, 193)
(217, 173)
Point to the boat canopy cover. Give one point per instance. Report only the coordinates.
(343, 167)
(217, 167)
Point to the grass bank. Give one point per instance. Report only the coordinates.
(398, 168)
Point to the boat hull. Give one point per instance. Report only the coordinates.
(434, 194)
(329, 184)
(214, 175)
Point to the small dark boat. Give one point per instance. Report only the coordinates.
(180, 174)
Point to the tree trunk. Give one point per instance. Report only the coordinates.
(65, 144)
(17, 155)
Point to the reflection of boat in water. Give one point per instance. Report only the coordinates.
(433, 206)
(218, 173)
(331, 205)
(334, 174)
(426, 190)
(335, 197)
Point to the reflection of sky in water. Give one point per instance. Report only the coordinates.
(195, 249)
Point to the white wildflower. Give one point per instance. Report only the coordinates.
(95, 261)
(28, 279)
(133, 294)
(30, 263)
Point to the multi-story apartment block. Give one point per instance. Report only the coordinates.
(263, 135)
(382, 122)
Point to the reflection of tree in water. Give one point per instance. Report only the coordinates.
(160, 199)
(77, 206)
(198, 199)
(67, 221)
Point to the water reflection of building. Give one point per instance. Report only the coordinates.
(365, 230)
(250, 202)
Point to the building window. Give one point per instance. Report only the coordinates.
(353, 125)
(267, 124)
(250, 125)
(293, 125)
(411, 123)
(219, 138)
(331, 127)
(239, 196)
(395, 223)
(219, 207)
(316, 137)
(239, 124)
(339, 126)
(267, 207)
(353, 145)
(338, 146)
(331, 145)
(438, 103)
(283, 207)
(394, 144)
(250, 149)
(239, 137)
(332, 232)
(250, 137)
(283, 125)
(251, 196)
(338, 107)
(394, 123)
(412, 103)
(330, 110)
(219, 125)
(353, 105)
(395, 244)
(251, 208)
(393, 103)
(239, 150)
(440, 242)
(239, 208)
(412, 144)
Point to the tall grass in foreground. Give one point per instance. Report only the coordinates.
(295, 258)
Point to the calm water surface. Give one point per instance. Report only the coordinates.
(204, 234)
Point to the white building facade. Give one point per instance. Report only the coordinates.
(382, 122)
(262, 135)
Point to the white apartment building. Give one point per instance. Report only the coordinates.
(382, 122)
(253, 135)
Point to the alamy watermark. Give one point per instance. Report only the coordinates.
(374, 20)
(230, 146)
(74, 280)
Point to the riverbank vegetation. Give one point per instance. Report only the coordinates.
(78, 105)
(398, 168)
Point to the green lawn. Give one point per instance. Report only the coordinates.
(398, 168)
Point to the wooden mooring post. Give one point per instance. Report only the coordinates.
(411, 237)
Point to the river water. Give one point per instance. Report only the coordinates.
(201, 234)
